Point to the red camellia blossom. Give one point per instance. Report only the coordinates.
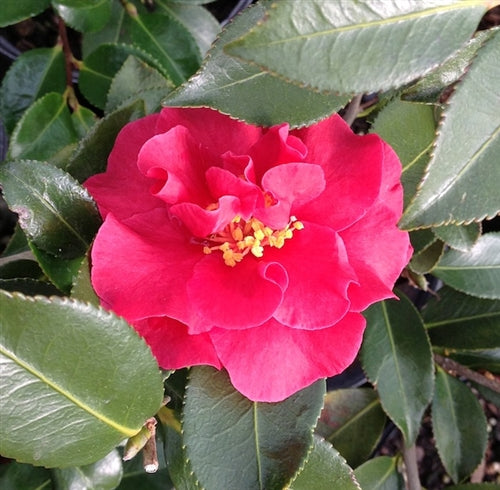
(248, 248)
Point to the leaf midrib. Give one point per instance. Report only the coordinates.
(126, 431)
(451, 321)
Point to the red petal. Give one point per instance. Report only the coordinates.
(140, 268)
(271, 362)
(213, 130)
(352, 166)
(319, 275)
(173, 347)
(235, 297)
(122, 189)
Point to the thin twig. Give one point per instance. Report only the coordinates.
(410, 459)
(353, 109)
(68, 55)
(456, 369)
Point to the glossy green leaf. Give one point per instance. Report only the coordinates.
(353, 421)
(45, 132)
(421, 239)
(29, 287)
(82, 287)
(76, 381)
(429, 88)
(91, 156)
(84, 15)
(356, 47)
(464, 159)
(410, 130)
(83, 119)
(245, 444)
(457, 321)
(380, 473)
(104, 474)
(17, 476)
(136, 80)
(460, 443)
(32, 75)
(459, 237)
(325, 469)
(476, 272)
(12, 12)
(397, 359)
(22, 265)
(202, 25)
(488, 359)
(426, 259)
(245, 92)
(55, 212)
(166, 40)
(99, 68)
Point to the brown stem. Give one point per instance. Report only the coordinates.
(352, 110)
(68, 55)
(456, 369)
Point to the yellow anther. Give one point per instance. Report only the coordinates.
(237, 234)
(207, 250)
(259, 234)
(298, 225)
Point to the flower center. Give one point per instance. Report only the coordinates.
(241, 237)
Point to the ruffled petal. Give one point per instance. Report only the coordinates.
(146, 274)
(271, 362)
(353, 169)
(173, 347)
(319, 275)
(213, 130)
(122, 189)
(235, 297)
(178, 163)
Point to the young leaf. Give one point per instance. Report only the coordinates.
(461, 181)
(325, 469)
(34, 73)
(397, 359)
(82, 287)
(352, 420)
(104, 474)
(236, 446)
(84, 15)
(380, 473)
(459, 237)
(457, 321)
(460, 443)
(410, 130)
(12, 12)
(356, 47)
(76, 381)
(55, 212)
(476, 272)
(45, 132)
(245, 92)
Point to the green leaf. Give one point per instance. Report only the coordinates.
(460, 443)
(202, 25)
(352, 420)
(12, 12)
(29, 287)
(245, 92)
(380, 473)
(464, 159)
(16, 476)
(76, 381)
(55, 212)
(99, 68)
(476, 272)
(45, 131)
(83, 119)
(429, 88)
(84, 15)
(397, 359)
(33, 74)
(356, 47)
(82, 287)
(457, 321)
(325, 469)
(488, 359)
(104, 474)
(475, 486)
(91, 156)
(426, 259)
(244, 444)
(459, 237)
(136, 80)
(410, 130)
(168, 41)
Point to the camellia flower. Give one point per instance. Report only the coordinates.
(248, 248)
